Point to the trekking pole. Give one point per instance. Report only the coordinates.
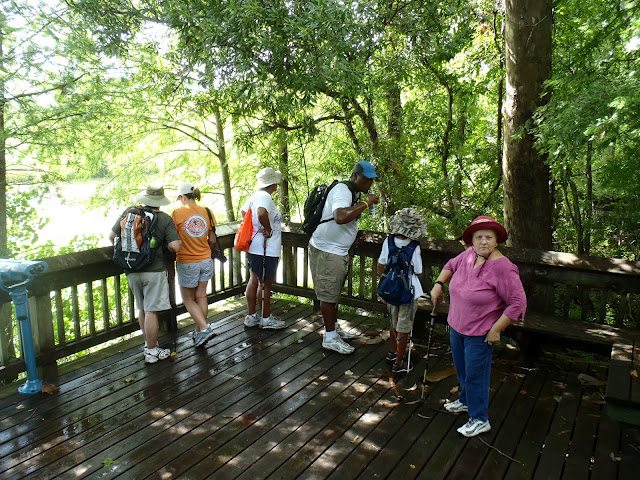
(410, 339)
(172, 319)
(426, 366)
(264, 274)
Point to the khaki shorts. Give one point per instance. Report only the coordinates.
(402, 317)
(328, 272)
(150, 289)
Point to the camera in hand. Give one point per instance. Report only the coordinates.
(216, 252)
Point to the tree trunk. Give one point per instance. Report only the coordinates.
(527, 199)
(224, 166)
(283, 163)
(4, 249)
(394, 114)
(588, 208)
(7, 349)
(393, 159)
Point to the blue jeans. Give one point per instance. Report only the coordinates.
(472, 359)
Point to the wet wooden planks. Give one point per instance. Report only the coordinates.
(272, 404)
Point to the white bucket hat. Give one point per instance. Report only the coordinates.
(268, 176)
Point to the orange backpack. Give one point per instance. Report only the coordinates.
(244, 236)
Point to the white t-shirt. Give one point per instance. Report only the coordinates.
(274, 243)
(329, 236)
(416, 261)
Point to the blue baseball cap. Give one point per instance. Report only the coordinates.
(365, 168)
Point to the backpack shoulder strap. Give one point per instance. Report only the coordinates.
(392, 254)
(324, 200)
(409, 249)
(354, 191)
(391, 245)
(213, 225)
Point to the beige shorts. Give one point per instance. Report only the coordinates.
(402, 317)
(328, 272)
(150, 289)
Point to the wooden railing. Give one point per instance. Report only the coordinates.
(591, 289)
(83, 300)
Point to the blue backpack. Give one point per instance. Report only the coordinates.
(395, 286)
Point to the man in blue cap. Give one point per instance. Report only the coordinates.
(329, 248)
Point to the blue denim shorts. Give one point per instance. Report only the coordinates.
(270, 265)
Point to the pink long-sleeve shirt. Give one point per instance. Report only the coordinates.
(479, 296)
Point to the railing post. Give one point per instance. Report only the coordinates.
(7, 349)
(43, 335)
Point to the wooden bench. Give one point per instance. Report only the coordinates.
(623, 345)
(623, 386)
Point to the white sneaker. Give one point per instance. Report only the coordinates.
(456, 407)
(344, 334)
(474, 427)
(152, 355)
(272, 323)
(252, 320)
(337, 345)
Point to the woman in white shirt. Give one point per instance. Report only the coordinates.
(264, 252)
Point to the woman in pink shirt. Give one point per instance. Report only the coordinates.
(486, 295)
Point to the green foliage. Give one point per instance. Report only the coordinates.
(593, 116)
(150, 75)
(26, 221)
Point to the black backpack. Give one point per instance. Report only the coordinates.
(135, 247)
(314, 204)
(395, 286)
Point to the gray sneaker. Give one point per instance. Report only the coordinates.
(272, 323)
(337, 345)
(344, 334)
(193, 334)
(203, 336)
(252, 320)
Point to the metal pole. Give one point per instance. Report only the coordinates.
(33, 384)
(14, 277)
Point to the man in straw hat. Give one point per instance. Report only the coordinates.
(329, 248)
(150, 286)
(407, 227)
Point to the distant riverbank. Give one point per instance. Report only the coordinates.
(70, 215)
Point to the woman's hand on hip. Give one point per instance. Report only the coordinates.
(493, 337)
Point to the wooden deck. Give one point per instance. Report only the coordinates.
(272, 404)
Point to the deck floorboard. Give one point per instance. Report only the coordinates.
(258, 404)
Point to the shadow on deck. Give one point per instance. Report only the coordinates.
(272, 404)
